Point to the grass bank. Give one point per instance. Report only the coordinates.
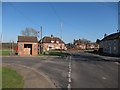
(11, 79)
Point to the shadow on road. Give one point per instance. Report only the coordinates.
(89, 58)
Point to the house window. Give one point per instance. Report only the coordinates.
(57, 47)
(52, 41)
(34, 46)
(114, 45)
(57, 41)
(21, 45)
(52, 47)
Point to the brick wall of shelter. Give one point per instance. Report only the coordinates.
(22, 52)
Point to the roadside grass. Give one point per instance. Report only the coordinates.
(11, 79)
(4, 52)
(52, 53)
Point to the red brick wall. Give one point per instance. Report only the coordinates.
(34, 52)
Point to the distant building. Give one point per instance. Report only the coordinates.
(79, 44)
(111, 44)
(52, 43)
(27, 45)
(82, 45)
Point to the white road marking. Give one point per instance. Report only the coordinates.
(69, 75)
(69, 80)
(104, 78)
(69, 86)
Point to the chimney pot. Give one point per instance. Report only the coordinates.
(105, 35)
(52, 36)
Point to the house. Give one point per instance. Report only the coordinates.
(27, 45)
(79, 44)
(82, 45)
(110, 44)
(52, 43)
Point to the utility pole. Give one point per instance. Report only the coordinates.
(13, 47)
(41, 49)
(61, 36)
(10, 47)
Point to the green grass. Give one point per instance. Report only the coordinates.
(4, 52)
(11, 79)
(52, 53)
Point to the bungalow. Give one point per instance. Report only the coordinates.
(52, 43)
(110, 44)
(27, 45)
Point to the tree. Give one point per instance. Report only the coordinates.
(98, 41)
(70, 45)
(30, 32)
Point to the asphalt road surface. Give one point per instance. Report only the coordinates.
(81, 70)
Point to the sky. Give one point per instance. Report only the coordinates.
(89, 20)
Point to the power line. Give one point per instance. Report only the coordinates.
(26, 17)
(52, 7)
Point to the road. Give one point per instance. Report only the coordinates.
(81, 70)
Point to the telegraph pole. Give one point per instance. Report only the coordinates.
(10, 47)
(41, 41)
(61, 36)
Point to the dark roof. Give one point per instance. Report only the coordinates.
(77, 41)
(49, 39)
(27, 39)
(112, 36)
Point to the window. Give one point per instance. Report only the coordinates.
(57, 41)
(114, 45)
(52, 41)
(57, 47)
(21, 45)
(34, 46)
(52, 47)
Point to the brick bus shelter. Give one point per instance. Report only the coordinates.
(27, 45)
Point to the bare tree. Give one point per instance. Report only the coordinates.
(30, 32)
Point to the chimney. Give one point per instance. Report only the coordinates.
(105, 35)
(117, 31)
(74, 40)
(51, 36)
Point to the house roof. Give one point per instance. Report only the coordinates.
(112, 36)
(77, 41)
(49, 39)
(27, 39)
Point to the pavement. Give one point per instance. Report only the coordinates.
(32, 78)
(80, 70)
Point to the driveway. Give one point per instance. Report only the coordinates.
(81, 70)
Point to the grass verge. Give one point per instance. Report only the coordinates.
(11, 79)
